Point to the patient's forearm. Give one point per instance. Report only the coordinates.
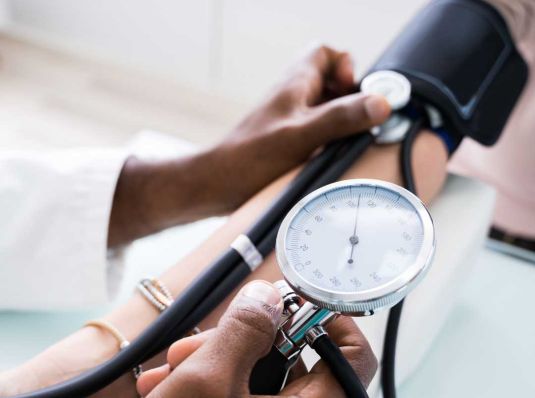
(429, 161)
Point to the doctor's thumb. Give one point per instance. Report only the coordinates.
(247, 329)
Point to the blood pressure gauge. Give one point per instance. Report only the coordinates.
(352, 247)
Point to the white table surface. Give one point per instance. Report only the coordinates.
(487, 347)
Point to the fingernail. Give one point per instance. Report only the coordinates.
(377, 108)
(263, 292)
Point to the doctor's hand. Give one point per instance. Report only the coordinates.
(217, 363)
(315, 103)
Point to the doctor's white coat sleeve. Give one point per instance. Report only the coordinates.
(54, 214)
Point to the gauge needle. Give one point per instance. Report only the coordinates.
(354, 239)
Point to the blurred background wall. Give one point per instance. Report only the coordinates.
(236, 48)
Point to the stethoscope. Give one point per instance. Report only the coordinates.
(375, 266)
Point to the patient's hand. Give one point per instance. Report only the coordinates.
(295, 120)
(217, 363)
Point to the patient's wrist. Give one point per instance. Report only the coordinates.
(132, 317)
(80, 351)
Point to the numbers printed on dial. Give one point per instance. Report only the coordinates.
(317, 274)
(353, 239)
(335, 281)
(375, 276)
(355, 282)
(301, 266)
(401, 251)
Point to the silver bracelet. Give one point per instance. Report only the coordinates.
(159, 296)
(156, 293)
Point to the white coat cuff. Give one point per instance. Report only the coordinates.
(56, 206)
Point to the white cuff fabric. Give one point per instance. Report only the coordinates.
(54, 215)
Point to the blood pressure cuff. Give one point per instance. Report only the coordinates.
(460, 57)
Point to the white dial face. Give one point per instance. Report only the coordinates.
(354, 238)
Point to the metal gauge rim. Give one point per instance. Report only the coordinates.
(370, 300)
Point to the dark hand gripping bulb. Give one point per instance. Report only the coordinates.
(453, 69)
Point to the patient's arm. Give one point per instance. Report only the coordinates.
(519, 15)
(429, 162)
(92, 346)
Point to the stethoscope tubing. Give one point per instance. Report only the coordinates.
(347, 155)
(170, 325)
(388, 376)
(219, 280)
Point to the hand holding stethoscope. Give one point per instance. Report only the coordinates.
(218, 362)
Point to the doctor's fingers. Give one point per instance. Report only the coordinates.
(222, 365)
(176, 354)
(180, 350)
(344, 116)
(321, 68)
(355, 347)
(320, 382)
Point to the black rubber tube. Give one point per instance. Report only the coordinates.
(406, 155)
(104, 374)
(154, 336)
(269, 374)
(388, 374)
(282, 204)
(339, 367)
(356, 147)
(170, 325)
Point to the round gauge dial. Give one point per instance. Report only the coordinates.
(356, 245)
